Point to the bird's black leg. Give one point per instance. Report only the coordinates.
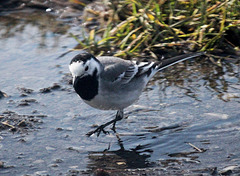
(118, 117)
(100, 129)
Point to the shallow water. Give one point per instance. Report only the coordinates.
(193, 103)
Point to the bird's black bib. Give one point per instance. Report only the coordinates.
(87, 86)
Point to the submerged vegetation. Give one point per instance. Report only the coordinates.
(141, 27)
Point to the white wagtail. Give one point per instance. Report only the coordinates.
(111, 83)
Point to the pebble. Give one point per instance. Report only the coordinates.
(50, 148)
(41, 173)
(1, 164)
(25, 90)
(38, 161)
(3, 95)
(54, 165)
(227, 170)
(55, 86)
(58, 161)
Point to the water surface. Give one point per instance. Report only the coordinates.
(186, 121)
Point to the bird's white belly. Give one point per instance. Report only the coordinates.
(113, 101)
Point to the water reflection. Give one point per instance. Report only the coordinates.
(13, 23)
(221, 80)
(140, 156)
(120, 159)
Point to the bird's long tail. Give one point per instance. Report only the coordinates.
(174, 60)
(151, 68)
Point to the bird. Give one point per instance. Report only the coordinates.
(112, 83)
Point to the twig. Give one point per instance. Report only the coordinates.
(196, 148)
(7, 124)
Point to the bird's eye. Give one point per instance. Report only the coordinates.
(86, 68)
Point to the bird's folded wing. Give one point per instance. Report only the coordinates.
(127, 75)
(117, 70)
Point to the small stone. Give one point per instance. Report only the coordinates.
(1, 164)
(73, 167)
(50, 148)
(23, 95)
(30, 100)
(25, 90)
(227, 170)
(45, 90)
(22, 140)
(121, 163)
(72, 171)
(38, 161)
(55, 86)
(10, 102)
(34, 111)
(42, 173)
(54, 165)
(58, 161)
(41, 115)
(101, 172)
(23, 104)
(59, 129)
(3, 95)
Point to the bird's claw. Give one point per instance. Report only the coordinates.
(113, 128)
(98, 131)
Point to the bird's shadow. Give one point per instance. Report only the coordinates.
(138, 156)
(120, 159)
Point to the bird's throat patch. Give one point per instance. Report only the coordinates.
(87, 86)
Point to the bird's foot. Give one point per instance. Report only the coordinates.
(98, 131)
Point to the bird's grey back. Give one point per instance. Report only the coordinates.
(113, 67)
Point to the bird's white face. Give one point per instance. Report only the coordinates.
(80, 68)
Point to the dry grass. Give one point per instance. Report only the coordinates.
(141, 27)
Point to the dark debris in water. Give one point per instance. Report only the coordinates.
(172, 170)
(3, 165)
(55, 86)
(27, 102)
(19, 123)
(25, 90)
(67, 79)
(3, 95)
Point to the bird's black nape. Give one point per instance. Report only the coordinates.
(83, 56)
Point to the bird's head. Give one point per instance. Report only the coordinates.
(84, 64)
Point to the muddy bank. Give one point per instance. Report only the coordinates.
(19, 123)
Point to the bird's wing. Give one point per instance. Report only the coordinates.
(146, 68)
(123, 71)
(118, 70)
(127, 75)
